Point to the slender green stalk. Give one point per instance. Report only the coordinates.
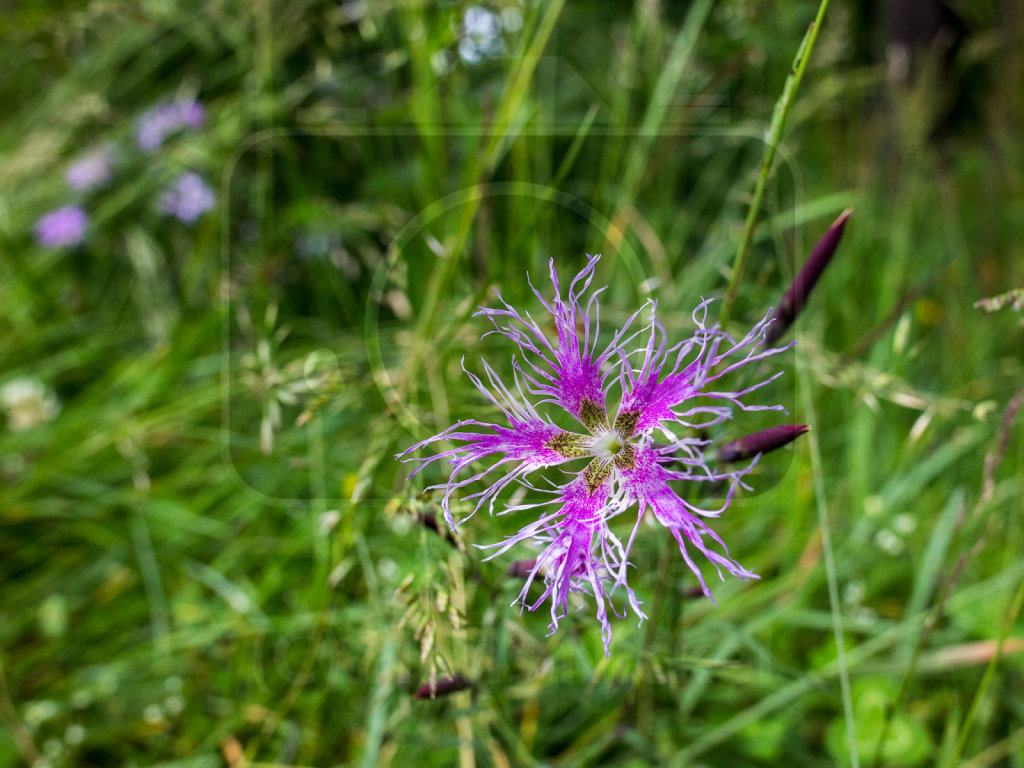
(859, 655)
(779, 116)
(828, 554)
(20, 735)
(152, 582)
(986, 680)
(930, 621)
(506, 125)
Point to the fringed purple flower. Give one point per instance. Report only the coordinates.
(628, 462)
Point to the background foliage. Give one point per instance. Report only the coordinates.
(209, 555)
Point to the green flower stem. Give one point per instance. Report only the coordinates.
(778, 125)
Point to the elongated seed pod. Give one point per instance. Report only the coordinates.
(795, 298)
(764, 441)
(443, 687)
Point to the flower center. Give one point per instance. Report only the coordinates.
(607, 446)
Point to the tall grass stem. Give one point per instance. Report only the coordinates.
(779, 116)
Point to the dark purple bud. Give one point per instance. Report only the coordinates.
(761, 442)
(796, 297)
(520, 569)
(442, 687)
(429, 521)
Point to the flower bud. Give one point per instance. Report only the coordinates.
(520, 569)
(761, 442)
(796, 297)
(442, 687)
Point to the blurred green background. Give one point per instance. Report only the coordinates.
(209, 555)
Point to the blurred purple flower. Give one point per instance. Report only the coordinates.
(154, 125)
(158, 123)
(664, 390)
(91, 170)
(188, 197)
(191, 113)
(65, 226)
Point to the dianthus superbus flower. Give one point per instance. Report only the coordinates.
(624, 464)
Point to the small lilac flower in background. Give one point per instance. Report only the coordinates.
(91, 170)
(625, 464)
(188, 197)
(154, 125)
(158, 123)
(190, 113)
(63, 227)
